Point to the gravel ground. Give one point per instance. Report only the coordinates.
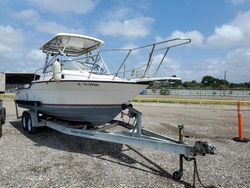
(52, 159)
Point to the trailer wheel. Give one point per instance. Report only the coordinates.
(30, 128)
(1, 133)
(24, 121)
(3, 119)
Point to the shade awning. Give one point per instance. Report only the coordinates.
(71, 44)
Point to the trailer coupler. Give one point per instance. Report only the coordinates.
(200, 148)
(203, 148)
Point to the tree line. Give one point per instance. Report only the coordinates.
(208, 82)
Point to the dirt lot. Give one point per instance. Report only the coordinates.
(52, 159)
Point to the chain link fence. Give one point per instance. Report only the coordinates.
(200, 92)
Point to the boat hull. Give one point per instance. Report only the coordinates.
(92, 103)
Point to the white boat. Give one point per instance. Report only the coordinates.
(76, 85)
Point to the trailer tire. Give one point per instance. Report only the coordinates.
(3, 118)
(1, 128)
(24, 121)
(30, 128)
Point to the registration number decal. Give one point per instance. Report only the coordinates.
(88, 84)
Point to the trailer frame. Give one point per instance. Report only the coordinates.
(131, 134)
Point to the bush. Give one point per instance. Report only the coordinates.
(164, 91)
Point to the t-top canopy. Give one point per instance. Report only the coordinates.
(71, 44)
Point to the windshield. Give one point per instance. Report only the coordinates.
(88, 63)
(72, 66)
(83, 66)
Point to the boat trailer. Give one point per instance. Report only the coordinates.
(132, 134)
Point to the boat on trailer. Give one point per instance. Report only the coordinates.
(76, 85)
(73, 89)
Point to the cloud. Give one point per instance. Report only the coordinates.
(129, 46)
(28, 14)
(124, 21)
(236, 63)
(196, 37)
(62, 6)
(11, 41)
(179, 67)
(130, 28)
(13, 46)
(32, 18)
(242, 22)
(35, 56)
(226, 36)
(168, 67)
(234, 34)
(119, 13)
(51, 27)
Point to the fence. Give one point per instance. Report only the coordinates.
(11, 96)
(201, 92)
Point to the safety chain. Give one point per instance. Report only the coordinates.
(196, 174)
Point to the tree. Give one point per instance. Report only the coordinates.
(192, 85)
(178, 83)
(215, 83)
(208, 81)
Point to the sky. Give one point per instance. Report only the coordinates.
(219, 30)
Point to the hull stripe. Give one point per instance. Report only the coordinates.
(92, 81)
